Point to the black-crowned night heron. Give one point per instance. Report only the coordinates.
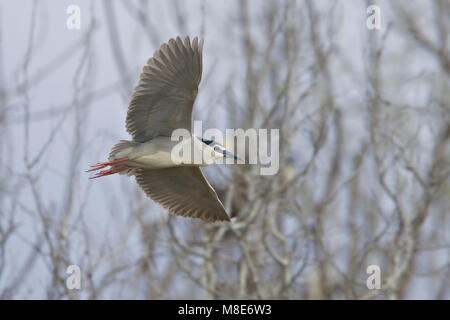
(162, 102)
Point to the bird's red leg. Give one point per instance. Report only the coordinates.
(101, 165)
(109, 171)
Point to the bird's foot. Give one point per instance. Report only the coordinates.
(102, 165)
(107, 172)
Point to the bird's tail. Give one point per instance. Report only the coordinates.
(122, 149)
(117, 160)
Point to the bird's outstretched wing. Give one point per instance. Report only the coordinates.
(165, 95)
(183, 191)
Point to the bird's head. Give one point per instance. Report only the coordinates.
(219, 150)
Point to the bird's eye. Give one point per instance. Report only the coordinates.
(217, 149)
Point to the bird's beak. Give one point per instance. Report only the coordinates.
(228, 154)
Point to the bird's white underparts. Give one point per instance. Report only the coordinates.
(162, 152)
(163, 102)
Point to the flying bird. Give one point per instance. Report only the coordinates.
(162, 102)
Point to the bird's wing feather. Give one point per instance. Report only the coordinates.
(165, 95)
(183, 191)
